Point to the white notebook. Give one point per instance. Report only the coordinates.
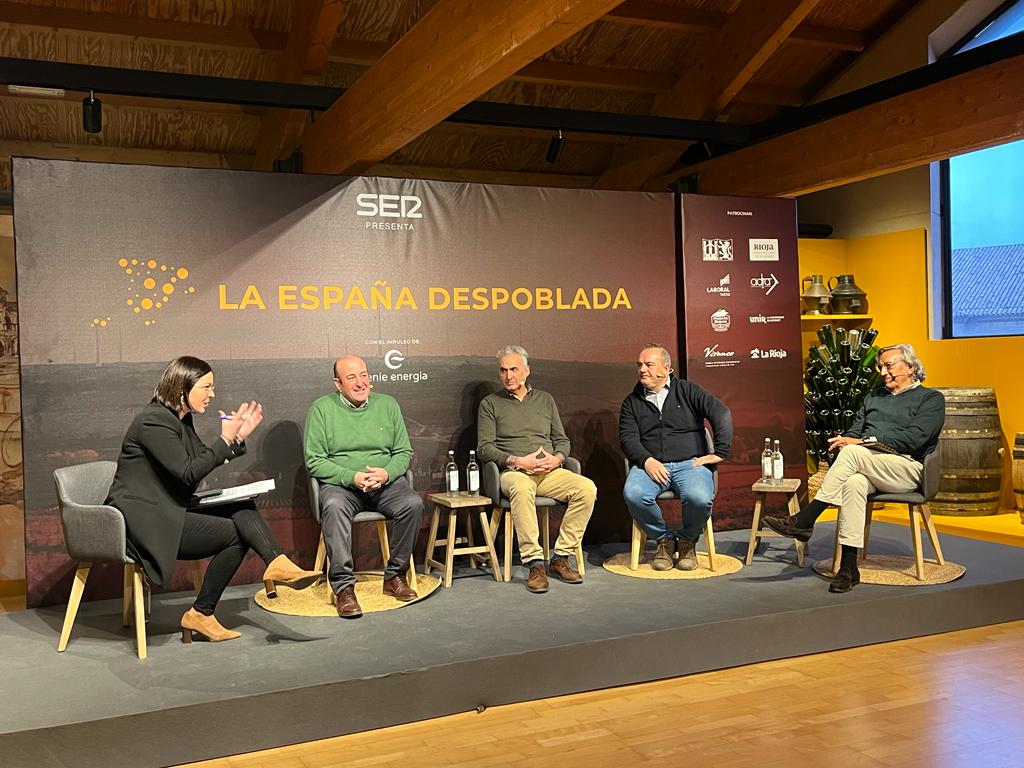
(239, 492)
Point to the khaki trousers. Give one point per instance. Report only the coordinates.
(578, 493)
(857, 472)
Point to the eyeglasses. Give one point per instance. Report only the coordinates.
(889, 366)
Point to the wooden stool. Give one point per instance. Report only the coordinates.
(788, 487)
(456, 504)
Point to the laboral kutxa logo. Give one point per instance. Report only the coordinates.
(389, 212)
(717, 249)
(724, 287)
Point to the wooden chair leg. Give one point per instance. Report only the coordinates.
(139, 600)
(926, 515)
(385, 546)
(126, 598)
(545, 532)
(411, 577)
(837, 552)
(755, 527)
(74, 600)
(489, 540)
(431, 539)
(709, 535)
(508, 547)
(915, 528)
(581, 560)
(449, 553)
(635, 547)
(197, 575)
(868, 513)
(470, 539)
(321, 555)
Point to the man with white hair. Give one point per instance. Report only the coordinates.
(520, 430)
(901, 416)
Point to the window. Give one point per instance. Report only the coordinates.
(983, 237)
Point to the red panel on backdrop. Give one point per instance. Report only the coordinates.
(740, 306)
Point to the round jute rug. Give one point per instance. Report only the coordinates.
(316, 600)
(896, 570)
(619, 565)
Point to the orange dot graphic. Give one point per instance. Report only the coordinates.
(103, 323)
(158, 305)
(134, 262)
(130, 302)
(122, 262)
(151, 263)
(147, 303)
(136, 310)
(174, 279)
(163, 267)
(182, 273)
(149, 282)
(147, 322)
(191, 289)
(129, 270)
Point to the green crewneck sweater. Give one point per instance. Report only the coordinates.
(506, 426)
(341, 440)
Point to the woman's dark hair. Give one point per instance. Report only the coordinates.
(177, 380)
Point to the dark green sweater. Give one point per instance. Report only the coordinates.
(910, 422)
(341, 440)
(505, 427)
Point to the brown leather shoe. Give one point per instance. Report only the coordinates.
(346, 603)
(398, 589)
(538, 580)
(561, 569)
(662, 560)
(687, 555)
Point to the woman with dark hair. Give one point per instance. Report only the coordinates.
(162, 462)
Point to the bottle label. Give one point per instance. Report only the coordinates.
(473, 481)
(453, 480)
(766, 468)
(777, 469)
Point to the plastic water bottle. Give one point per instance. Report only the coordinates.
(778, 470)
(766, 461)
(473, 475)
(451, 475)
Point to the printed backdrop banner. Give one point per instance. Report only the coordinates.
(742, 317)
(272, 276)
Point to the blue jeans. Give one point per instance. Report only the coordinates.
(693, 485)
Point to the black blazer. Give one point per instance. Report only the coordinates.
(162, 462)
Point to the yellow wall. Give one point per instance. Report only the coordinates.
(892, 268)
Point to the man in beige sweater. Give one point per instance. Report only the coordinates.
(519, 429)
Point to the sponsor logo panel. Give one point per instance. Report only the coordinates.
(766, 319)
(766, 283)
(721, 320)
(767, 354)
(764, 249)
(717, 249)
(715, 357)
(724, 287)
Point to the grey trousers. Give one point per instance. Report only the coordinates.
(399, 503)
(856, 472)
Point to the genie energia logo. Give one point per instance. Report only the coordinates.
(393, 359)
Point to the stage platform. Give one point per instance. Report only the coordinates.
(480, 643)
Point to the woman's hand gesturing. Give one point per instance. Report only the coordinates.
(239, 424)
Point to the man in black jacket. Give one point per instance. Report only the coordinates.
(902, 416)
(661, 431)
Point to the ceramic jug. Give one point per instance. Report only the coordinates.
(847, 297)
(815, 297)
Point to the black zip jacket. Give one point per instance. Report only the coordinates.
(677, 433)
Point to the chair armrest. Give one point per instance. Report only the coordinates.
(94, 533)
(573, 465)
(489, 482)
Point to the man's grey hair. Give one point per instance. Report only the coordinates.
(513, 349)
(666, 358)
(909, 357)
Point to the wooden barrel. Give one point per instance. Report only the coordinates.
(1018, 473)
(972, 469)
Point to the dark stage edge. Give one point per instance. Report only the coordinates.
(290, 680)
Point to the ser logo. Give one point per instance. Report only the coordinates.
(401, 207)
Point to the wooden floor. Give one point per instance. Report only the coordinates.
(942, 701)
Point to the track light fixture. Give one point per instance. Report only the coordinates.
(92, 114)
(555, 147)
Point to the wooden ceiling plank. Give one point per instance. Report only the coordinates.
(972, 111)
(459, 50)
(605, 78)
(777, 95)
(721, 66)
(126, 25)
(528, 134)
(835, 38)
(110, 154)
(314, 27)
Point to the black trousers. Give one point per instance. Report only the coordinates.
(226, 533)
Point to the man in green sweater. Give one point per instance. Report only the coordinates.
(357, 447)
(903, 416)
(519, 429)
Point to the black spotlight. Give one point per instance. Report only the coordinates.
(555, 147)
(92, 114)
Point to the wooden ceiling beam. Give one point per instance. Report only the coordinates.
(650, 14)
(459, 50)
(314, 27)
(975, 110)
(722, 65)
(528, 134)
(483, 176)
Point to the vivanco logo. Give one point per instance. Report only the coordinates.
(712, 352)
(402, 207)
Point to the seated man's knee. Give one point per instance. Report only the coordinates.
(857, 484)
(587, 490)
(697, 498)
